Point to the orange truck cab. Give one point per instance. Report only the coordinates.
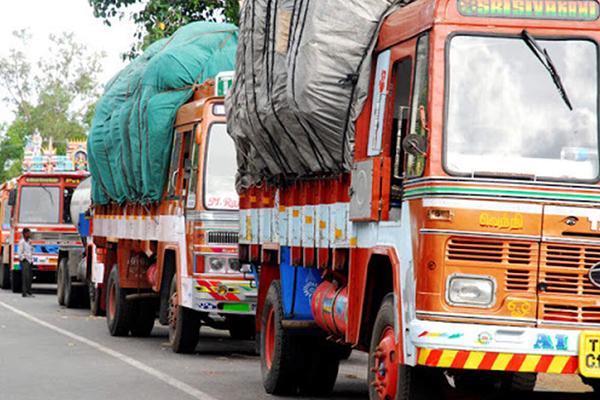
(466, 238)
(179, 257)
(41, 203)
(5, 217)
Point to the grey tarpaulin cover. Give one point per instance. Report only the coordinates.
(129, 144)
(302, 74)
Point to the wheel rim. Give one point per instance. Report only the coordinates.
(111, 300)
(386, 366)
(270, 338)
(172, 316)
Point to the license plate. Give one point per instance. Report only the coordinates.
(53, 261)
(589, 354)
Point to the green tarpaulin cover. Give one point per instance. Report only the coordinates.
(129, 145)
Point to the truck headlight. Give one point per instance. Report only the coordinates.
(234, 265)
(471, 290)
(216, 264)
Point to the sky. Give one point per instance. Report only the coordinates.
(45, 17)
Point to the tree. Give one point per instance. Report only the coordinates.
(161, 18)
(54, 96)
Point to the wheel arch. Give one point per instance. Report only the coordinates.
(382, 278)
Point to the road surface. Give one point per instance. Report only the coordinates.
(52, 353)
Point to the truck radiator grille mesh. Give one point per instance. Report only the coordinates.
(565, 268)
(224, 238)
(567, 290)
(489, 251)
(571, 314)
(518, 258)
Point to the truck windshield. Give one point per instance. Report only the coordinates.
(505, 116)
(6, 216)
(219, 174)
(39, 205)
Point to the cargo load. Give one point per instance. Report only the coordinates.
(132, 132)
(302, 74)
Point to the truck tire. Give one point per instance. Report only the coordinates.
(119, 309)
(95, 299)
(184, 324)
(321, 362)
(72, 295)
(144, 316)
(242, 327)
(279, 361)
(4, 276)
(15, 281)
(61, 271)
(388, 378)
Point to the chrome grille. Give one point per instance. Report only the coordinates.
(223, 238)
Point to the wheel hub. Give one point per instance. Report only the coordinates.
(386, 366)
(173, 308)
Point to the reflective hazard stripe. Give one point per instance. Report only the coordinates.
(497, 361)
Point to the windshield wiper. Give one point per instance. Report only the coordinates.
(49, 194)
(546, 61)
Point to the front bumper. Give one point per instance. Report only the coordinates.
(41, 262)
(495, 347)
(220, 296)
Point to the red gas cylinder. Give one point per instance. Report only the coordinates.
(151, 274)
(330, 307)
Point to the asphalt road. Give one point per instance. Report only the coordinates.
(49, 352)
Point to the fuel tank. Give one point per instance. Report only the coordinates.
(81, 201)
(330, 307)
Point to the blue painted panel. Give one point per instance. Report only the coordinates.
(298, 285)
(41, 249)
(84, 225)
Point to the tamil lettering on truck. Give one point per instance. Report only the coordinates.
(42, 203)
(462, 239)
(5, 217)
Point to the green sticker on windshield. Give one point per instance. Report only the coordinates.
(573, 10)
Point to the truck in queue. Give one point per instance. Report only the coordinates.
(5, 217)
(79, 274)
(41, 202)
(164, 220)
(450, 229)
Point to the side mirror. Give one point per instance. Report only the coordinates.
(187, 168)
(415, 145)
(12, 197)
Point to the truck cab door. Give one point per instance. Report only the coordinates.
(182, 145)
(377, 182)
